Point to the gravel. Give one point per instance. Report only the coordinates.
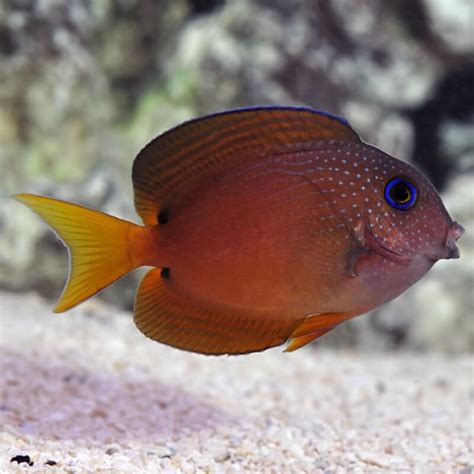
(86, 392)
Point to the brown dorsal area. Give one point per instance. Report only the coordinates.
(195, 151)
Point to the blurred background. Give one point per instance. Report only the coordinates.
(85, 84)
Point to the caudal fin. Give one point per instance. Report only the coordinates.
(98, 245)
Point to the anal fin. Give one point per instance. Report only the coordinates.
(170, 317)
(312, 327)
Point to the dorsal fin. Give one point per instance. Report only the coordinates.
(177, 157)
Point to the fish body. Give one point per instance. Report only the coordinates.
(263, 225)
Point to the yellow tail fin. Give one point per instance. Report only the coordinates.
(98, 244)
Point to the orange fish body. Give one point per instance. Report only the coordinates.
(264, 225)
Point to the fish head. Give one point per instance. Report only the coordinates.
(406, 219)
(399, 227)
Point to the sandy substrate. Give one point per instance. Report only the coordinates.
(86, 392)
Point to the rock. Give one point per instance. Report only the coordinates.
(457, 143)
(22, 458)
(452, 21)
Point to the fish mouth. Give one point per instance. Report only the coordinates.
(450, 249)
(455, 231)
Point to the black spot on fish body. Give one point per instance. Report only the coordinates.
(163, 217)
(165, 272)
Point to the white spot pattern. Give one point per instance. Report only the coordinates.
(355, 175)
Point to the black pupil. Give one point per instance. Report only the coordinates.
(400, 193)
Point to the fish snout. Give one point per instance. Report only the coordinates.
(455, 231)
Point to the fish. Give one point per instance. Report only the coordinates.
(262, 226)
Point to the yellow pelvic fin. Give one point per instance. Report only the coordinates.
(98, 244)
(313, 327)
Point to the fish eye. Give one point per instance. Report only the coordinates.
(401, 193)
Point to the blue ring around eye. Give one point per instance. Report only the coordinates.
(413, 193)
